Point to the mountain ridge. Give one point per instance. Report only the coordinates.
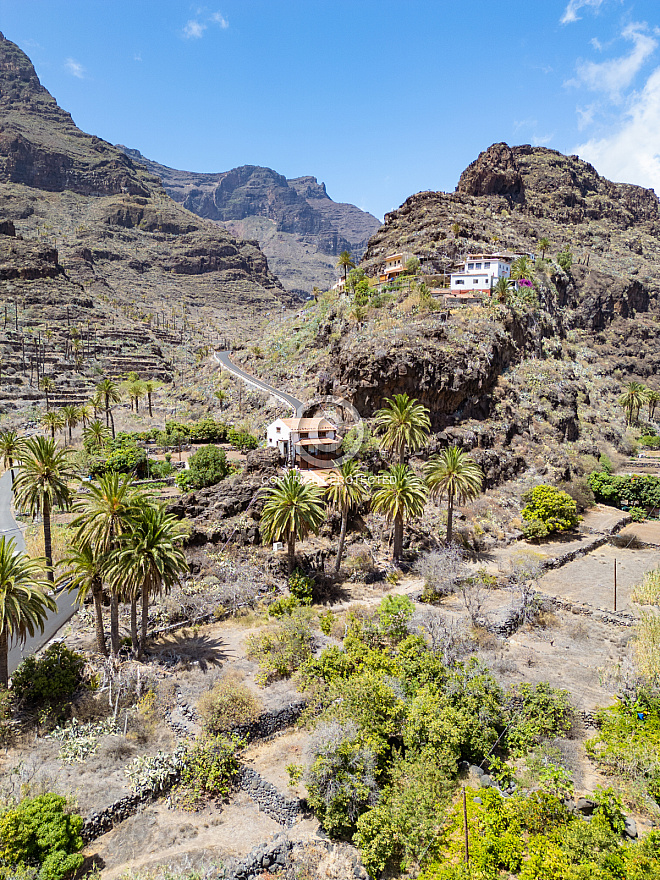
(305, 226)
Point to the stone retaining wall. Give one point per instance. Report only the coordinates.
(265, 795)
(268, 798)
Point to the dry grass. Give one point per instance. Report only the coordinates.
(61, 539)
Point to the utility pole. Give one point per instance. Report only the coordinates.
(615, 584)
(465, 826)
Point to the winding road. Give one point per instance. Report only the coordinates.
(66, 602)
(222, 357)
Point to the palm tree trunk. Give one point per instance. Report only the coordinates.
(114, 622)
(4, 659)
(145, 620)
(97, 596)
(450, 516)
(342, 538)
(48, 542)
(398, 537)
(134, 629)
(291, 553)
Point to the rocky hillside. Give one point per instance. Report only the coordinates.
(299, 227)
(91, 239)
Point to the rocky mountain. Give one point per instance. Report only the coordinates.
(299, 227)
(91, 238)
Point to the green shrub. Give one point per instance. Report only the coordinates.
(51, 678)
(548, 510)
(210, 765)
(395, 613)
(536, 712)
(283, 650)
(565, 259)
(301, 586)
(242, 440)
(341, 781)
(208, 466)
(227, 704)
(40, 833)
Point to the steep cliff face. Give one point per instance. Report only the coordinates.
(300, 228)
(72, 190)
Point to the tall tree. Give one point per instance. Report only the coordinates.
(47, 386)
(347, 489)
(42, 484)
(344, 262)
(149, 561)
(632, 400)
(52, 421)
(456, 474)
(150, 387)
(109, 393)
(401, 496)
(11, 448)
(71, 418)
(83, 570)
(25, 600)
(292, 510)
(103, 516)
(653, 399)
(405, 425)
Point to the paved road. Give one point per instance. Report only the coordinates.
(66, 602)
(222, 357)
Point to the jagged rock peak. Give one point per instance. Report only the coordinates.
(493, 173)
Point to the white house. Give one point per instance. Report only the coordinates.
(304, 442)
(480, 273)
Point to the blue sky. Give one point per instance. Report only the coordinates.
(378, 98)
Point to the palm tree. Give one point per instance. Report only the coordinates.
(84, 414)
(292, 510)
(104, 515)
(47, 385)
(148, 561)
(71, 418)
(346, 490)
(11, 448)
(456, 473)
(25, 600)
(405, 423)
(41, 485)
(632, 400)
(52, 421)
(83, 569)
(95, 435)
(522, 268)
(653, 399)
(109, 393)
(150, 386)
(502, 289)
(544, 244)
(401, 496)
(344, 262)
(135, 390)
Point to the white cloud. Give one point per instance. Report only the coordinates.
(218, 18)
(194, 29)
(617, 74)
(74, 68)
(632, 153)
(574, 6)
